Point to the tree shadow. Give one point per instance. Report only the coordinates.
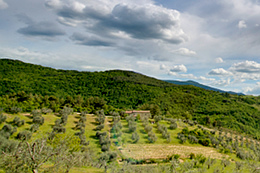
(29, 116)
(126, 131)
(29, 122)
(142, 131)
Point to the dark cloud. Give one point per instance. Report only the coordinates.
(45, 29)
(89, 40)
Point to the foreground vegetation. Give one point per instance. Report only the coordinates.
(81, 142)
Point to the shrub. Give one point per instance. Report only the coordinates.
(157, 118)
(98, 134)
(66, 111)
(135, 137)
(204, 142)
(148, 128)
(242, 154)
(7, 130)
(192, 156)
(34, 128)
(38, 120)
(130, 118)
(59, 129)
(17, 122)
(173, 126)
(100, 119)
(36, 113)
(100, 127)
(24, 135)
(193, 139)
(132, 126)
(2, 118)
(15, 110)
(182, 138)
(151, 137)
(46, 110)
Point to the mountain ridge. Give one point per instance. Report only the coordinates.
(197, 84)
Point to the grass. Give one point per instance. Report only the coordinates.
(143, 149)
(161, 151)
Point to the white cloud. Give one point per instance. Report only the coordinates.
(3, 4)
(219, 72)
(254, 90)
(222, 82)
(163, 67)
(241, 24)
(219, 60)
(184, 52)
(190, 76)
(205, 78)
(178, 68)
(147, 21)
(246, 67)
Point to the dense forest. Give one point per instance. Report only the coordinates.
(25, 87)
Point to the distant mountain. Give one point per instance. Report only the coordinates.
(190, 82)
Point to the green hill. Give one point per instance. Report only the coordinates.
(47, 87)
(190, 82)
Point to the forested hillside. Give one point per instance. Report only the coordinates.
(31, 86)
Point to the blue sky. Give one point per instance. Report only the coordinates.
(216, 42)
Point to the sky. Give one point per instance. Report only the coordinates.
(216, 43)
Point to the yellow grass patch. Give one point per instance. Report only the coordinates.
(161, 151)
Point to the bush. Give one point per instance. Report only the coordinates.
(100, 119)
(151, 137)
(242, 154)
(193, 139)
(135, 137)
(192, 156)
(148, 128)
(204, 142)
(157, 118)
(46, 110)
(24, 135)
(7, 130)
(173, 126)
(34, 128)
(17, 122)
(182, 138)
(100, 127)
(15, 110)
(66, 111)
(36, 113)
(2, 118)
(132, 126)
(98, 134)
(38, 120)
(59, 129)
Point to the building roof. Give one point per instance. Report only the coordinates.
(135, 111)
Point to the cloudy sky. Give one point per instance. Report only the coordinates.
(215, 42)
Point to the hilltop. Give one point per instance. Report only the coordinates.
(124, 90)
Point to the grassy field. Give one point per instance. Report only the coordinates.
(142, 150)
